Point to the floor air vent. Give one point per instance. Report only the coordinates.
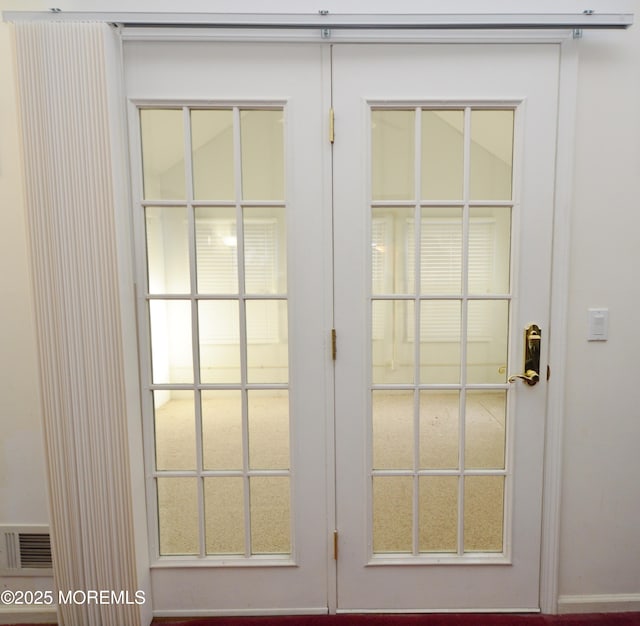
(25, 550)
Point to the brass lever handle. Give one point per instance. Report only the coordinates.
(530, 377)
(532, 338)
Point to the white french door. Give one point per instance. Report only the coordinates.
(443, 187)
(423, 236)
(233, 247)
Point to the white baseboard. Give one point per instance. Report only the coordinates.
(13, 614)
(237, 612)
(599, 603)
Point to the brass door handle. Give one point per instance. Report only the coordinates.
(530, 377)
(531, 365)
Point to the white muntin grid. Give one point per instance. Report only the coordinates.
(246, 473)
(464, 297)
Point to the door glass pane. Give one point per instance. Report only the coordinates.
(167, 250)
(219, 327)
(224, 515)
(489, 250)
(212, 154)
(483, 513)
(228, 263)
(175, 430)
(221, 430)
(267, 341)
(485, 428)
(491, 162)
(438, 278)
(439, 429)
(216, 250)
(392, 429)
(162, 133)
(265, 250)
(392, 514)
(392, 246)
(438, 496)
(270, 515)
(178, 516)
(392, 154)
(393, 339)
(171, 353)
(262, 144)
(487, 338)
(440, 251)
(268, 429)
(442, 167)
(440, 341)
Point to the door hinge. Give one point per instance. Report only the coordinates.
(332, 131)
(335, 545)
(334, 344)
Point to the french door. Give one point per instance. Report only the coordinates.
(444, 173)
(233, 306)
(421, 235)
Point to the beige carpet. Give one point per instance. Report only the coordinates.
(437, 448)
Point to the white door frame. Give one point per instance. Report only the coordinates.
(560, 264)
(559, 279)
(552, 478)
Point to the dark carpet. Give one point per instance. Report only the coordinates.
(448, 619)
(457, 619)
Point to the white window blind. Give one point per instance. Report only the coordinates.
(217, 257)
(441, 274)
(217, 268)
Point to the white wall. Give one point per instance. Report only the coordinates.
(22, 479)
(23, 495)
(600, 538)
(600, 549)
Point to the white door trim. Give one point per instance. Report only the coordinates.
(181, 33)
(552, 486)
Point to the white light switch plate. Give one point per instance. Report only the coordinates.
(598, 325)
